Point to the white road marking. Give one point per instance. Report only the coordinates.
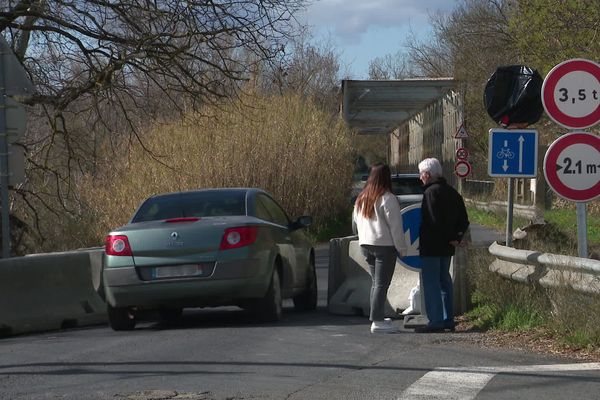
(464, 383)
(447, 385)
(528, 368)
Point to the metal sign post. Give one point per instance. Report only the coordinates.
(4, 164)
(512, 153)
(582, 246)
(14, 81)
(572, 170)
(509, 211)
(570, 97)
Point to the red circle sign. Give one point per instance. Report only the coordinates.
(462, 168)
(572, 166)
(571, 93)
(462, 153)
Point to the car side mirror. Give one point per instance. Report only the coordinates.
(302, 222)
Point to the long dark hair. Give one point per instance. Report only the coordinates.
(379, 182)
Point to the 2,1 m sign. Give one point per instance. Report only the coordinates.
(572, 166)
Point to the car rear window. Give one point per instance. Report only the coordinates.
(406, 185)
(193, 204)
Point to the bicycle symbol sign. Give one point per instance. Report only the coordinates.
(512, 153)
(505, 152)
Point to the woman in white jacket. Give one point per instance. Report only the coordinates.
(378, 222)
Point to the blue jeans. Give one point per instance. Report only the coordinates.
(382, 262)
(438, 291)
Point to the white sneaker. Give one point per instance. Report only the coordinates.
(385, 326)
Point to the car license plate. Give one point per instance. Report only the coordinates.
(177, 271)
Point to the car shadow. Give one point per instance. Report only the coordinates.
(228, 317)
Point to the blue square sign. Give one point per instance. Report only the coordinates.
(513, 153)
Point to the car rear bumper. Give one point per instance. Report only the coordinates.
(229, 281)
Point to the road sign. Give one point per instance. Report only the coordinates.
(572, 166)
(411, 222)
(461, 133)
(462, 153)
(16, 80)
(512, 153)
(571, 93)
(462, 168)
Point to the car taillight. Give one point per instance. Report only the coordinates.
(238, 237)
(117, 245)
(183, 219)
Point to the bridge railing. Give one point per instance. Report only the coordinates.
(546, 269)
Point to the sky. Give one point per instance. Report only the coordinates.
(362, 30)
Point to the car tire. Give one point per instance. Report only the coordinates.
(120, 319)
(307, 300)
(269, 308)
(170, 314)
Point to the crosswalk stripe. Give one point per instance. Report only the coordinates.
(464, 383)
(447, 385)
(527, 368)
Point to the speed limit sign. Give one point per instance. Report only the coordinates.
(571, 93)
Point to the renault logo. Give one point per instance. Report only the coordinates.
(175, 240)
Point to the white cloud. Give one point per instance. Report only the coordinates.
(348, 20)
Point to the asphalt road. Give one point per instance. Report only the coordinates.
(221, 354)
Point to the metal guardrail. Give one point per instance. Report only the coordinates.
(546, 269)
(526, 211)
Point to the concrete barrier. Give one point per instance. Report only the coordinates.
(350, 282)
(51, 291)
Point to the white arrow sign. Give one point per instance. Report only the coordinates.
(521, 140)
(413, 246)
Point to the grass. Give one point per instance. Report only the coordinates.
(488, 315)
(571, 318)
(567, 220)
(493, 219)
(519, 319)
(334, 227)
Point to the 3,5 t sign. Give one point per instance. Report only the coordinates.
(571, 93)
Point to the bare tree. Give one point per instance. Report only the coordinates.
(310, 69)
(77, 47)
(392, 66)
(467, 41)
(104, 69)
(468, 44)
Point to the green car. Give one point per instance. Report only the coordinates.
(208, 248)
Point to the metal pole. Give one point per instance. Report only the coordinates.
(509, 212)
(582, 246)
(4, 164)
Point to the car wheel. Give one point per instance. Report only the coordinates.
(170, 314)
(120, 319)
(269, 308)
(307, 300)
